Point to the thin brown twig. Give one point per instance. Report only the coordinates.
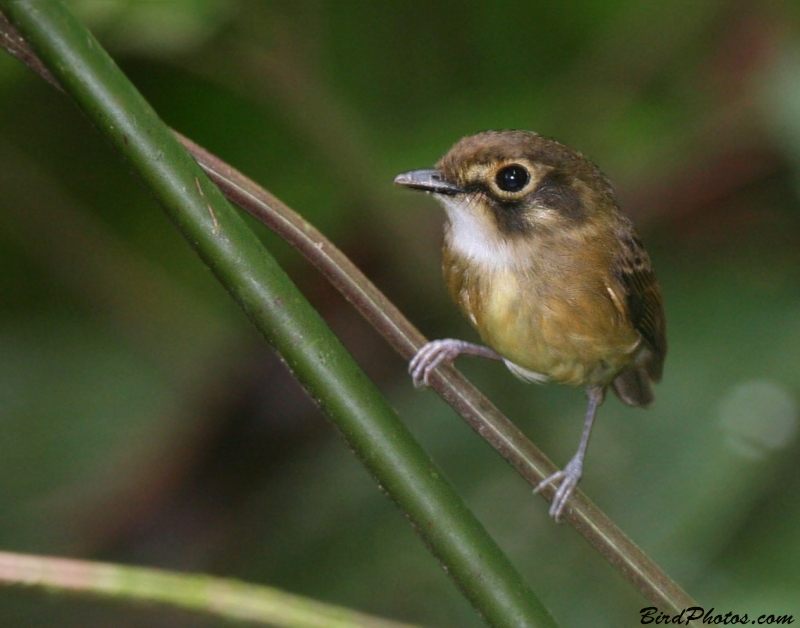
(16, 46)
(473, 406)
(648, 578)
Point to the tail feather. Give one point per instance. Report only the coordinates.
(634, 386)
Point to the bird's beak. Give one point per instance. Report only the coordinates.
(427, 180)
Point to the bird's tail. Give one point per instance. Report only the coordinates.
(634, 386)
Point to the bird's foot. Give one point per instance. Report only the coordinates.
(431, 356)
(569, 478)
(438, 351)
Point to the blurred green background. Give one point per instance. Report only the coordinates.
(144, 421)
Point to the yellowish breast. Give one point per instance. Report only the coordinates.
(557, 320)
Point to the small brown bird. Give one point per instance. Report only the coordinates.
(551, 274)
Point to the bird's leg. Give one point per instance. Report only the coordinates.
(438, 351)
(571, 474)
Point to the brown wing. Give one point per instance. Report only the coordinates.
(643, 300)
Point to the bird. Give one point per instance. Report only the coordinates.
(549, 271)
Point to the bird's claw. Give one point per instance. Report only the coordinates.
(429, 357)
(569, 478)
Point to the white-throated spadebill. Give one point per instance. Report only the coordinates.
(552, 275)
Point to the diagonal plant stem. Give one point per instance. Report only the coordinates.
(277, 308)
(646, 576)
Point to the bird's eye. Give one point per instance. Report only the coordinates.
(512, 178)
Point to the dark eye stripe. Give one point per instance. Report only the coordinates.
(555, 192)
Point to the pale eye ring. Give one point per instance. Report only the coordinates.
(512, 178)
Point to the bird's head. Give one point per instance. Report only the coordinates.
(506, 185)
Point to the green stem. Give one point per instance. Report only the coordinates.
(280, 312)
(222, 597)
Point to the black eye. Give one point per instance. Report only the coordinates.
(512, 178)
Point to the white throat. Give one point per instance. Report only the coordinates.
(474, 236)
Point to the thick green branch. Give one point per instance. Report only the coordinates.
(279, 311)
